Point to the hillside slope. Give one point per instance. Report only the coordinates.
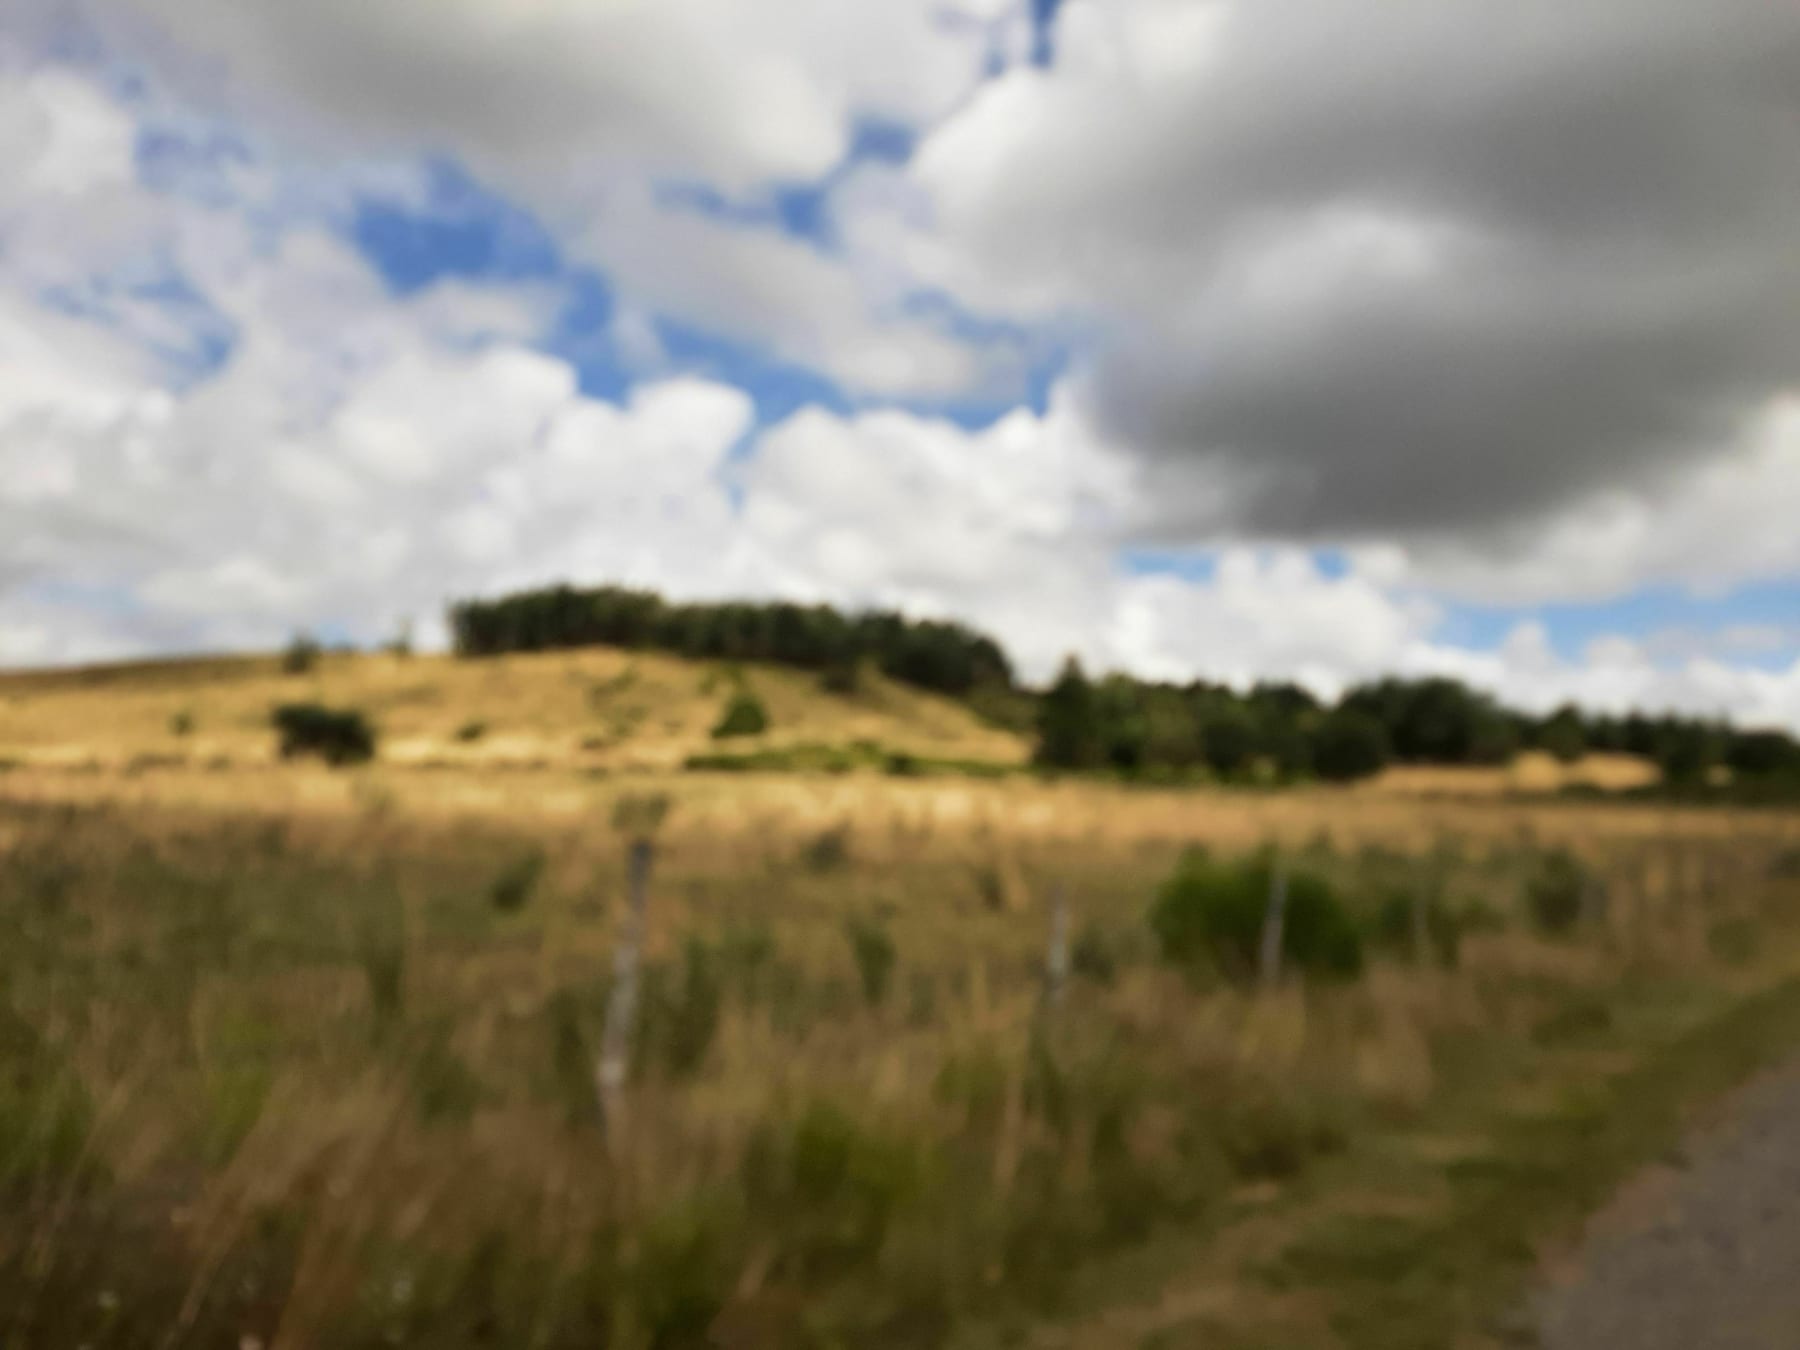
(595, 708)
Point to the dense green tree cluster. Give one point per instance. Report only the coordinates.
(1166, 730)
(945, 657)
(1688, 750)
(1281, 732)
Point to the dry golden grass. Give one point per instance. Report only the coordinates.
(580, 710)
(1531, 772)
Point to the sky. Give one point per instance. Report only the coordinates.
(1298, 339)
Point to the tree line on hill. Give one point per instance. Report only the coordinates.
(946, 658)
(1137, 728)
(1282, 732)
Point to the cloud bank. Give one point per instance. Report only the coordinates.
(1503, 304)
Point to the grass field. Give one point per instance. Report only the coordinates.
(300, 1057)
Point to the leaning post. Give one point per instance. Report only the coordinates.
(637, 818)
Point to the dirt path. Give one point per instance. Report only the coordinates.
(1702, 1253)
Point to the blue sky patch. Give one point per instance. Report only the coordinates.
(467, 231)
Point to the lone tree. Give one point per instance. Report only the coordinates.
(1068, 723)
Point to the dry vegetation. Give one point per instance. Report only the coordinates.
(300, 1057)
(589, 710)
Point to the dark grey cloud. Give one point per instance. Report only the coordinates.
(1425, 264)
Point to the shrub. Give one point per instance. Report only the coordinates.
(512, 890)
(302, 655)
(829, 851)
(181, 724)
(1092, 956)
(338, 736)
(875, 956)
(1555, 891)
(844, 677)
(470, 732)
(1349, 745)
(744, 716)
(1211, 914)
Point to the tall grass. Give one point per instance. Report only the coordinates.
(327, 1080)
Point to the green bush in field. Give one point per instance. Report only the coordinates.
(1555, 891)
(1092, 956)
(512, 890)
(1211, 913)
(339, 736)
(743, 716)
(828, 851)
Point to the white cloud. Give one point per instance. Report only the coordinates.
(357, 458)
(771, 291)
(560, 92)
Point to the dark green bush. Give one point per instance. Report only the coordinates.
(1092, 956)
(1555, 891)
(844, 677)
(339, 736)
(829, 850)
(744, 716)
(470, 732)
(512, 890)
(1211, 914)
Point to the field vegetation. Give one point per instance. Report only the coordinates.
(306, 1046)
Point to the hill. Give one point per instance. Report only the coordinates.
(589, 709)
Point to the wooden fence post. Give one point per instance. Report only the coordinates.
(638, 819)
